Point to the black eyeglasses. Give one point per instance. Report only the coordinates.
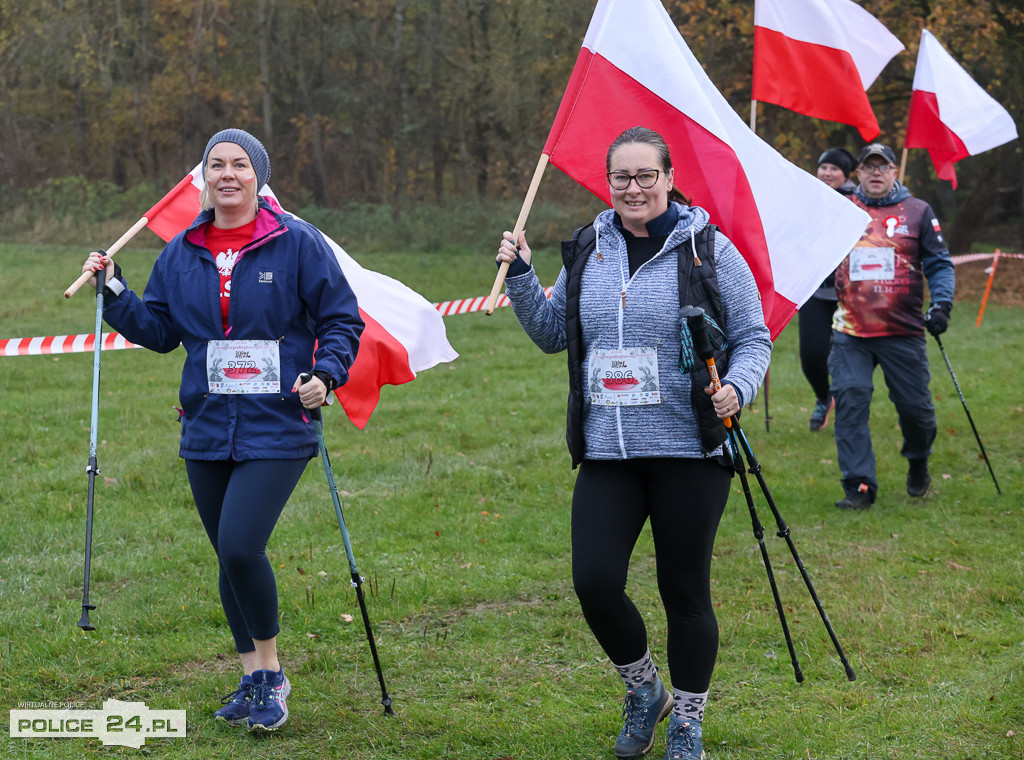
(645, 179)
(870, 169)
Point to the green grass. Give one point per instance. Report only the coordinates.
(457, 498)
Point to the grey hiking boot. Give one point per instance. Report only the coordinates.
(685, 740)
(645, 706)
(918, 477)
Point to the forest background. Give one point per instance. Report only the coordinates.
(376, 109)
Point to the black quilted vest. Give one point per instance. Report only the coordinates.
(698, 286)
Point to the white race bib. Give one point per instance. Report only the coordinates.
(624, 377)
(872, 264)
(243, 366)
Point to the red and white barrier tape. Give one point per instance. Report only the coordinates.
(75, 344)
(966, 258)
(60, 344)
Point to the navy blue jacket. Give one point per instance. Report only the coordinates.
(286, 285)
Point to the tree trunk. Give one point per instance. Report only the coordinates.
(264, 20)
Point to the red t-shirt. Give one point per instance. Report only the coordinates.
(225, 245)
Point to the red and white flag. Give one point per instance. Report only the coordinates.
(635, 69)
(819, 57)
(950, 114)
(404, 333)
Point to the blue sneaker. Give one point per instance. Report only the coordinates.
(684, 740)
(645, 706)
(235, 711)
(268, 710)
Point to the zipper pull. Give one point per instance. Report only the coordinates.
(623, 299)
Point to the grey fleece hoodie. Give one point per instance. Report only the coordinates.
(649, 318)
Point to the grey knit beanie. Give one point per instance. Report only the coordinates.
(253, 147)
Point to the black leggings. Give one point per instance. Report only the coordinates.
(684, 499)
(815, 342)
(239, 503)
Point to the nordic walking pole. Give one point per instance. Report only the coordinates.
(531, 193)
(704, 350)
(357, 580)
(969, 418)
(737, 462)
(755, 467)
(117, 246)
(93, 469)
(702, 345)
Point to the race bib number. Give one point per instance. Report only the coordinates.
(624, 377)
(243, 366)
(872, 264)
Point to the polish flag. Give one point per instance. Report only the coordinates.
(819, 57)
(635, 69)
(404, 333)
(950, 114)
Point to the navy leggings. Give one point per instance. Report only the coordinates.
(239, 503)
(684, 499)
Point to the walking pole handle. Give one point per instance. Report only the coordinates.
(702, 345)
(305, 377)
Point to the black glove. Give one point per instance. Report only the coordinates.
(937, 318)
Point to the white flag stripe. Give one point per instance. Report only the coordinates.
(965, 107)
(839, 24)
(613, 34)
(399, 310)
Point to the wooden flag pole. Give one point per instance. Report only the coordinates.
(753, 116)
(121, 241)
(531, 193)
(903, 165)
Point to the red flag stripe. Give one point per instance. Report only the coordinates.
(702, 161)
(381, 360)
(802, 77)
(925, 129)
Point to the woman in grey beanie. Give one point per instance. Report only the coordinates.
(256, 297)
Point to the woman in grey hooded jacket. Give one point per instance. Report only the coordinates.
(644, 425)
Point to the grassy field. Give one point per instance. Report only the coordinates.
(457, 498)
